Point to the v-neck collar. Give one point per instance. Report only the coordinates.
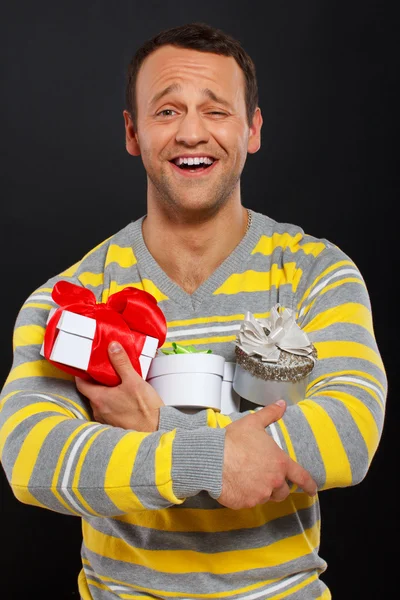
(172, 290)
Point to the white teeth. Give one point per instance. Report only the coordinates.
(197, 160)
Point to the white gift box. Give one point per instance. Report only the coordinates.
(188, 380)
(230, 400)
(73, 344)
(149, 351)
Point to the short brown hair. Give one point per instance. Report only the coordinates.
(194, 36)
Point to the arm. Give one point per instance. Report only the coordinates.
(334, 432)
(55, 456)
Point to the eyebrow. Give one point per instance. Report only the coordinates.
(176, 87)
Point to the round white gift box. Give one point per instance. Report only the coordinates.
(263, 392)
(230, 400)
(188, 380)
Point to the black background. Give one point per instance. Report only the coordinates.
(327, 73)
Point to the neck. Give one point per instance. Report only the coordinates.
(189, 250)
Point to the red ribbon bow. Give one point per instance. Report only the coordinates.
(127, 317)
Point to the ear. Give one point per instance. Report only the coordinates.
(254, 142)
(131, 139)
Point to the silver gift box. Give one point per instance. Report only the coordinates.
(262, 392)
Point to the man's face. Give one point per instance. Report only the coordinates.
(191, 105)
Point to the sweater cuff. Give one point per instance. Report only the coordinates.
(198, 460)
(171, 418)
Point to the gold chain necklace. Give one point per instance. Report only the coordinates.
(248, 220)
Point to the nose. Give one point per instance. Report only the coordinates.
(192, 129)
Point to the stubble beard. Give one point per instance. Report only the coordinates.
(202, 204)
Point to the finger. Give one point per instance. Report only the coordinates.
(298, 475)
(270, 413)
(280, 493)
(120, 361)
(87, 388)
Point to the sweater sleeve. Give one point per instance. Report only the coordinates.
(335, 431)
(55, 456)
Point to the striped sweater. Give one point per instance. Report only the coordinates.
(152, 527)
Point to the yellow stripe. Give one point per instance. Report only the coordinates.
(333, 454)
(308, 291)
(37, 368)
(145, 284)
(117, 482)
(289, 446)
(188, 561)
(101, 586)
(348, 350)
(5, 398)
(26, 335)
(163, 467)
(362, 417)
(28, 454)
(78, 469)
(218, 420)
(93, 279)
(83, 586)
(70, 272)
(349, 384)
(330, 287)
(362, 374)
(325, 596)
(60, 462)
(288, 441)
(267, 244)
(24, 413)
(44, 289)
(37, 305)
(210, 340)
(351, 312)
(366, 389)
(224, 519)
(25, 496)
(124, 257)
(255, 281)
(77, 406)
(314, 248)
(215, 319)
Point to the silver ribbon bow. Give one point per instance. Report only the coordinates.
(284, 334)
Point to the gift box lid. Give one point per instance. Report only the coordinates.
(187, 363)
(77, 324)
(150, 346)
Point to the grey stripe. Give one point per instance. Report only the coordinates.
(305, 447)
(185, 584)
(143, 474)
(351, 438)
(171, 417)
(204, 542)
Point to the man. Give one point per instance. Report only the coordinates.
(203, 505)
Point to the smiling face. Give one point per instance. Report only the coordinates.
(192, 131)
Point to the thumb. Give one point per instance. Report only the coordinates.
(270, 413)
(120, 361)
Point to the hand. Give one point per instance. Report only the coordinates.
(133, 404)
(255, 469)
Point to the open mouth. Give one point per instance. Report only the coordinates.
(194, 165)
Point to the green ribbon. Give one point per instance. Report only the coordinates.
(178, 349)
